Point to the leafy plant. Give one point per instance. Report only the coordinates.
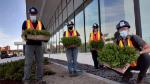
(69, 41)
(96, 44)
(35, 32)
(15, 70)
(116, 56)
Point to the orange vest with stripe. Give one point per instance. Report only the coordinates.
(130, 44)
(95, 38)
(29, 25)
(67, 34)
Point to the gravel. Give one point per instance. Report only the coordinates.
(103, 72)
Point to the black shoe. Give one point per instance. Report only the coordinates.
(26, 82)
(41, 82)
(96, 67)
(74, 74)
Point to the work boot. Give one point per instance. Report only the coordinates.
(26, 82)
(140, 80)
(40, 82)
(127, 76)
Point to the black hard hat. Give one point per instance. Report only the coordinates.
(122, 24)
(70, 24)
(95, 25)
(33, 11)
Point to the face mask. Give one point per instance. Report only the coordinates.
(124, 34)
(70, 28)
(33, 18)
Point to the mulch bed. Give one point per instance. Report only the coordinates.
(103, 72)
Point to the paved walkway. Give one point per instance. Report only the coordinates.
(62, 77)
(83, 58)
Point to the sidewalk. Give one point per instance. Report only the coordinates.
(83, 58)
(62, 77)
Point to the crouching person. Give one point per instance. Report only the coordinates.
(143, 62)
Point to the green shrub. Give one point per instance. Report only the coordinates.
(68, 41)
(36, 32)
(117, 57)
(15, 71)
(96, 44)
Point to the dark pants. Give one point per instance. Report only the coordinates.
(143, 64)
(95, 56)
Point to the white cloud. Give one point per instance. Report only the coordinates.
(8, 40)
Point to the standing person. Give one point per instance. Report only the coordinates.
(72, 51)
(96, 35)
(143, 61)
(33, 49)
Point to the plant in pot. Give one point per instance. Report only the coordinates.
(96, 44)
(39, 35)
(71, 41)
(116, 57)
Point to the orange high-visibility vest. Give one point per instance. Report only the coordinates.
(95, 38)
(30, 25)
(130, 44)
(73, 34)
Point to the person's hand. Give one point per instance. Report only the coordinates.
(72, 46)
(93, 49)
(141, 52)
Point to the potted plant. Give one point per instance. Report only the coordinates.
(71, 41)
(37, 35)
(96, 44)
(116, 57)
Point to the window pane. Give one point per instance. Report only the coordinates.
(112, 11)
(145, 12)
(80, 28)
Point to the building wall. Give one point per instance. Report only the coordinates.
(84, 13)
(107, 13)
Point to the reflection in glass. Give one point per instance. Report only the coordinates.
(112, 11)
(145, 12)
(79, 24)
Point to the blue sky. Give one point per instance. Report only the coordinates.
(13, 13)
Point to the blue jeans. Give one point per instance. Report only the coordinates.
(71, 54)
(31, 52)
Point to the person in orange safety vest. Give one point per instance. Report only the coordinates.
(33, 49)
(96, 35)
(143, 62)
(72, 51)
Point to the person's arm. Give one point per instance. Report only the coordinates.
(23, 29)
(64, 34)
(103, 38)
(77, 33)
(23, 26)
(146, 49)
(141, 43)
(43, 27)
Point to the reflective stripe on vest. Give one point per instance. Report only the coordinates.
(73, 34)
(30, 25)
(130, 44)
(97, 38)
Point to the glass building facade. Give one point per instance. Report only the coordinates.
(107, 13)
